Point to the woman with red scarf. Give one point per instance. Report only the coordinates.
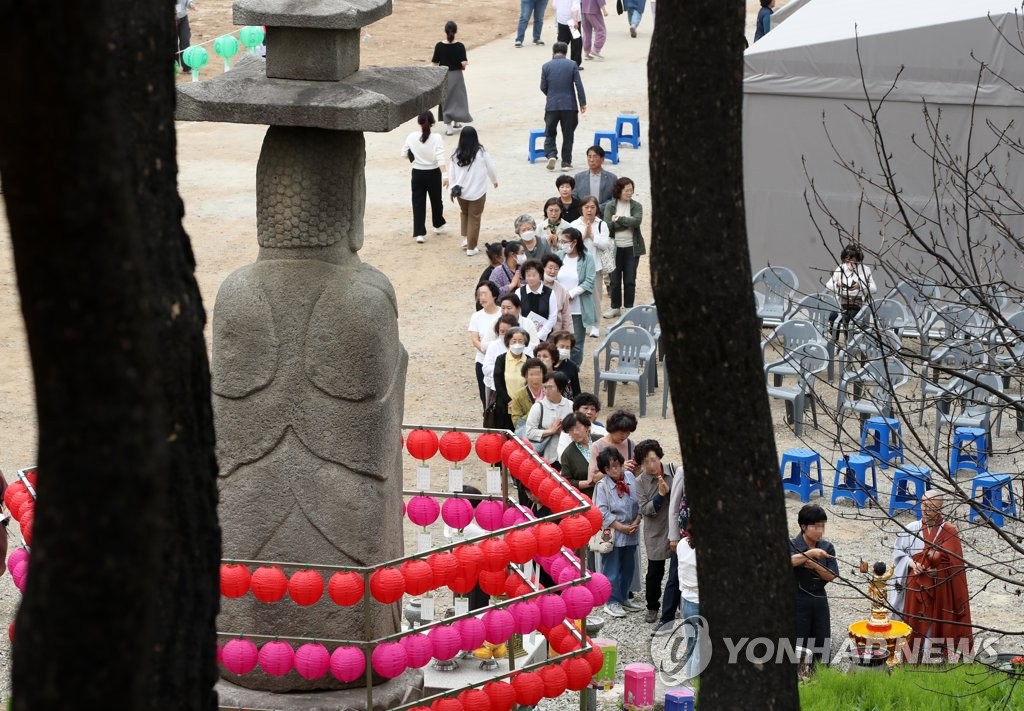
(615, 498)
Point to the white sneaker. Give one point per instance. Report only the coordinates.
(472, 252)
(551, 163)
(443, 229)
(420, 239)
(611, 313)
(614, 609)
(595, 332)
(465, 242)
(448, 130)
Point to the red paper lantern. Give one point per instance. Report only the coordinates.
(463, 582)
(577, 673)
(418, 575)
(445, 567)
(19, 499)
(447, 705)
(33, 477)
(562, 501)
(596, 519)
(488, 447)
(28, 519)
(595, 659)
(346, 588)
(495, 554)
(555, 681)
(545, 489)
(575, 531)
(269, 583)
(526, 469)
(549, 538)
(10, 492)
(563, 641)
(387, 585)
(512, 583)
(472, 633)
(306, 587)
(489, 513)
(277, 658)
(536, 477)
(234, 580)
(509, 448)
(475, 700)
(10, 632)
(522, 546)
(502, 695)
(492, 582)
(470, 558)
(422, 444)
(455, 446)
(516, 460)
(529, 688)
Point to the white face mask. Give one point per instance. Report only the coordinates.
(563, 353)
(517, 349)
(549, 279)
(528, 236)
(520, 259)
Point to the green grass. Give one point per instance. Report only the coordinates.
(964, 687)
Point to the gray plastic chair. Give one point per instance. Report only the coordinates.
(872, 388)
(1008, 355)
(777, 285)
(664, 388)
(921, 302)
(887, 314)
(972, 406)
(807, 361)
(787, 337)
(818, 309)
(633, 346)
(960, 355)
(961, 321)
(646, 317)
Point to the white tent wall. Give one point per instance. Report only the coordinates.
(807, 68)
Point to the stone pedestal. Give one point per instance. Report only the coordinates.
(400, 690)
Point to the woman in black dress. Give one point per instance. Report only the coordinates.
(452, 54)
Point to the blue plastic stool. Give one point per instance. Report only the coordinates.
(632, 138)
(877, 439)
(992, 488)
(852, 480)
(535, 152)
(903, 479)
(961, 455)
(611, 153)
(800, 479)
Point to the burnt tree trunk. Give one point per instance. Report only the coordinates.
(122, 598)
(702, 282)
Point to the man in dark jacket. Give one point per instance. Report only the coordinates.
(562, 85)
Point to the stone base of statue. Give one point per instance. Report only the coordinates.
(391, 694)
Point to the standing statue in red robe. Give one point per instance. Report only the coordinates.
(937, 604)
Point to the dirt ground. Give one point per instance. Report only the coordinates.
(434, 282)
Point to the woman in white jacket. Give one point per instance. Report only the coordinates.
(425, 150)
(471, 170)
(851, 282)
(598, 242)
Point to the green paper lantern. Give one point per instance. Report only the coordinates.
(226, 46)
(251, 37)
(196, 58)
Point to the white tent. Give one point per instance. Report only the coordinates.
(804, 77)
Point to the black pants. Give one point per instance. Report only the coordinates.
(568, 121)
(623, 288)
(575, 45)
(673, 597)
(184, 38)
(814, 625)
(652, 583)
(424, 183)
(480, 384)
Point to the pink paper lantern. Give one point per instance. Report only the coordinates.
(388, 659)
(418, 650)
(423, 510)
(19, 574)
(489, 514)
(579, 601)
(347, 664)
(554, 565)
(446, 641)
(568, 574)
(552, 610)
(600, 587)
(472, 631)
(526, 616)
(240, 656)
(17, 556)
(457, 513)
(498, 626)
(512, 516)
(277, 658)
(312, 661)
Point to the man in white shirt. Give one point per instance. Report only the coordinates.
(544, 423)
(567, 15)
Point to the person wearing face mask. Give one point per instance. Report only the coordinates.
(577, 277)
(598, 243)
(510, 304)
(508, 375)
(533, 248)
(506, 275)
(563, 342)
(538, 302)
(552, 263)
(495, 348)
